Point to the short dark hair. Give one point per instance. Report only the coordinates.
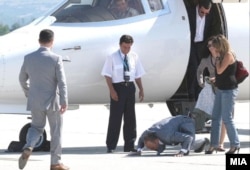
(46, 36)
(150, 137)
(126, 39)
(207, 4)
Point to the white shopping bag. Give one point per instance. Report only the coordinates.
(205, 100)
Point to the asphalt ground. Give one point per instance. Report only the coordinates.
(84, 148)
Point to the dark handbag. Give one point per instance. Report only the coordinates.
(241, 72)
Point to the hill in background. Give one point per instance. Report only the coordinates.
(22, 12)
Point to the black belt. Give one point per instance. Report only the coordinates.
(124, 83)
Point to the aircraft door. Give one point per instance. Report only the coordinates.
(182, 102)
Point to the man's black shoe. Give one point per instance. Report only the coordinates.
(130, 150)
(110, 151)
(202, 147)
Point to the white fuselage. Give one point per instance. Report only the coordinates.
(161, 39)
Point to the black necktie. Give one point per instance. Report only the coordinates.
(126, 69)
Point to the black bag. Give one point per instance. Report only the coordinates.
(15, 146)
(241, 72)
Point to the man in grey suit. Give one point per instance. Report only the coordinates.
(43, 81)
(171, 131)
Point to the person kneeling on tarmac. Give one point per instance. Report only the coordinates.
(171, 131)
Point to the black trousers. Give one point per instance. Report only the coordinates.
(194, 61)
(123, 108)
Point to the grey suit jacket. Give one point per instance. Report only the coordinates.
(43, 81)
(166, 129)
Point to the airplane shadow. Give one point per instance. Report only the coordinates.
(169, 151)
(87, 151)
(244, 132)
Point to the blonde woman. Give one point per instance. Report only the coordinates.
(208, 63)
(226, 92)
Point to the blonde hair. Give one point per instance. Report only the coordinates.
(221, 44)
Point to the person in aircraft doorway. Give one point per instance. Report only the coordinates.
(203, 24)
(122, 9)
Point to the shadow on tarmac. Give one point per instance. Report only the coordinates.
(171, 150)
(244, 132)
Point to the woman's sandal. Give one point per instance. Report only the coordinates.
(221, 149)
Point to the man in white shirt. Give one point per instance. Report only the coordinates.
(121, 69)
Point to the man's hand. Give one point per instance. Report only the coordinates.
(181, 154)
(114, 95)
(63, 108)
(141, 95)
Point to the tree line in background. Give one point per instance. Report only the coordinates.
(4, 29)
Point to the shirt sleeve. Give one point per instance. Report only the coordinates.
(107, 67)
(62, 85)
(139, 69)
(200, 70)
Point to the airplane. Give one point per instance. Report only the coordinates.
(86, 32)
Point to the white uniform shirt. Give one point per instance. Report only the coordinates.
(113, 66)
(200, 25)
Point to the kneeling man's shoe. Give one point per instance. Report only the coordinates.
(59, 167)
(202, 147)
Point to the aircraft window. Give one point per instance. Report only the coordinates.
(98, 10)
(77, 13)
(125, 8)
(155, 5)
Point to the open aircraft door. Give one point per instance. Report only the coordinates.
(236, 29)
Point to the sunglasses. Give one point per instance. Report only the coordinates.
(209, 45)
(204, 13)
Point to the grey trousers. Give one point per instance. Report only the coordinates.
(186, 134)
(38, 122)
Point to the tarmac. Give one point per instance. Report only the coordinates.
(84, 135)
